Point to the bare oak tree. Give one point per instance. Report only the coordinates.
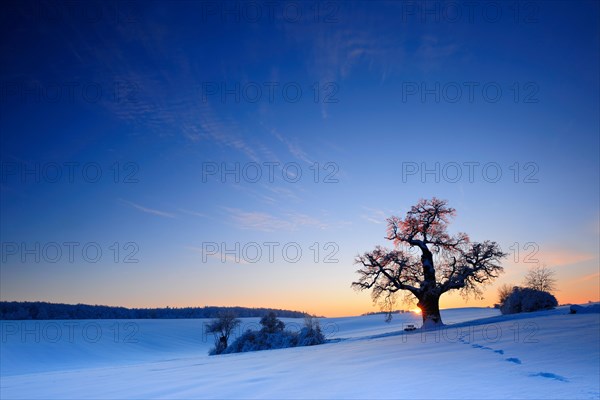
(443, 262)
(541, 278)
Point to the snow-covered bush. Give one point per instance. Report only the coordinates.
(273, 335)
(310, 334)
(527, 300)
(261, 340)
(270, 323)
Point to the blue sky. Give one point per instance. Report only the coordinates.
(145, 94)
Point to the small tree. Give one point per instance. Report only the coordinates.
(541, 278)
(311, 333)
(271, 324)
(503, 292)
(446, 262)
(221, 327)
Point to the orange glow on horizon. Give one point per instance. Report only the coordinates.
(341, 302)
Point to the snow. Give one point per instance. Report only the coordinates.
(576, 309)
(479, 354)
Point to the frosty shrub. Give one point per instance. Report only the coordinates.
(310, 334)
(270, 323)
(527, 300)
(273, 335)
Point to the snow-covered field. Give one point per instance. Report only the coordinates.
(546, 355)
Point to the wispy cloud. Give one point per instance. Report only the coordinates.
(561, 257)
(373, 220)
(257, 221)
(221, 132)
(434, 52)
(268, 223)
(163, 101)
(149, 210)
(358, 39)
(588, 278)
(281, 192)
(375, 216)
(292, 147)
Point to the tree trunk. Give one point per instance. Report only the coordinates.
(429, 301)
(430, 310)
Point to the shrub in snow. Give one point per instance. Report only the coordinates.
(270, 323)
(273, 335)
(527, 300)
(261, 340)
(311, 333)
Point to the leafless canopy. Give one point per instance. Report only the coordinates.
(441, 262)
(504, 291)
(541, 278)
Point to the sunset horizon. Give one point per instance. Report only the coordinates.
(344, 191)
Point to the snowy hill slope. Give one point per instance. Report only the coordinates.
(43, 346)
(539, 355)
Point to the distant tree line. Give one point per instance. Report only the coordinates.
(18, 310)
(384, 312)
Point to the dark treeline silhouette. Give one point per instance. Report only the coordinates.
(384, 312)
(16, 310)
